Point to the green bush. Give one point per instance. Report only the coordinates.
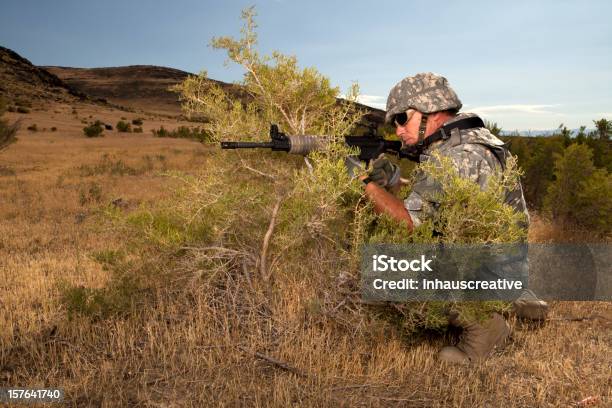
(167, 229)
(93, 130)
(118, 298)
(124, 127)
(161, 132)
(581, 194)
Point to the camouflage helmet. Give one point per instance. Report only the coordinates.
(425, 92)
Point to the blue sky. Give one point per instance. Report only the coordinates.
(523, 64)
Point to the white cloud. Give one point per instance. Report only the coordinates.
(501, 109)
(374, 101)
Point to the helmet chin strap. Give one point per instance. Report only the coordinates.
(422, 128)
(413, 152)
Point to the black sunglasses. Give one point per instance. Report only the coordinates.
(402, 118)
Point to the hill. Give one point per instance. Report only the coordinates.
(21, 81)
(145, 87)
(136, 87)
(142, 87)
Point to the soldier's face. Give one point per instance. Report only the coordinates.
(409, 131)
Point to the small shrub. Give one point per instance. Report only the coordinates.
(23, 109)
(7, 132)
(167, 229)
(137, 122)
(184, 132)
(33, 128)
(23, 102)
(90, 194)
(161, 132)
(116, 299)
(93, 130)
(12, 109)
(108, 127)
(123, 127)
(54, 129)
(137, 130)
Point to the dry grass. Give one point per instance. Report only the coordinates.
(231, 339)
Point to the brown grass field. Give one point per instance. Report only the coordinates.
(231, 344)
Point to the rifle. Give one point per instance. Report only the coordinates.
(370, 146)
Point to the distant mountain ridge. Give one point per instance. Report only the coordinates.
(140, 87)
(146, 87)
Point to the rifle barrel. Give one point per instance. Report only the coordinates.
(246, 145)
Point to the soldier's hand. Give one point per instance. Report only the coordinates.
(384, 173)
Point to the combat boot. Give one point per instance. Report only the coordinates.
(477, 341)
(528, 306)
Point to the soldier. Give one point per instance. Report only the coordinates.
(424, 109)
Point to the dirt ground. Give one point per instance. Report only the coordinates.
(179, 353)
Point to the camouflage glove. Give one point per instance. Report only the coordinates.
(384, 173)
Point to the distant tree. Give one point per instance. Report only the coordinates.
(538, 165)
(580, 194)
(604, 128)
(595, 201)
(565, 133)
(493, 128)
(602, 154)
(581, 136)
(571, 168)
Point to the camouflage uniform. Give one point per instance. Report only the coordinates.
(476, 154)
